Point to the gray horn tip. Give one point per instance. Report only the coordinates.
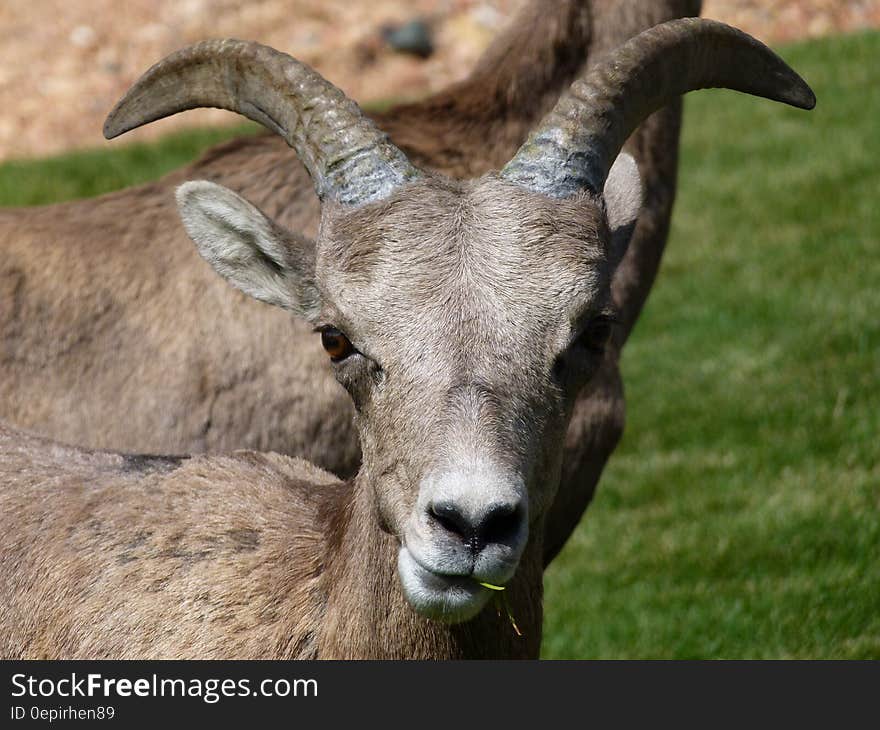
(803, 96)
(793, 90)
(111, 130)
(114, 124)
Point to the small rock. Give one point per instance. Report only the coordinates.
(487, 16)
(413, 37)
(82, 36)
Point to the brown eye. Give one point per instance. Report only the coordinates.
(337, 345)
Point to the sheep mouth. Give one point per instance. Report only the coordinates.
(446, 598)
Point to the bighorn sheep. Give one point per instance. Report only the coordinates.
(114, 334)
(463, 317)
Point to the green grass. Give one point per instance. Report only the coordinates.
(739, 517)
(114, 165)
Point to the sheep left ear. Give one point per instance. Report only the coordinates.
(623, 201)
(248, 249)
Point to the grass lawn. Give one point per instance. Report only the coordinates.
(739, 517)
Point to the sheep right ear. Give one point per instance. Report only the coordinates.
(623, 201)
(247, 249)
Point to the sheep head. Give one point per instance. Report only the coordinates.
(462, 317)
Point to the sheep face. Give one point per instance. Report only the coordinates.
(462, 318)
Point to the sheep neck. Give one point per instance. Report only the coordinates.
(367, 617)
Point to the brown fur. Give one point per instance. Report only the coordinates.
(114, 333)
(246, 556)
(468, 364)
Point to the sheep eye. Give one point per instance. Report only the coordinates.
(337, 345)
(596, 334)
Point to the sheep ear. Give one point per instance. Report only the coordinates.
(623, 201)
(247, 249)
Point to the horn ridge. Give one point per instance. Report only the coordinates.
(577, 142)
(349, 159)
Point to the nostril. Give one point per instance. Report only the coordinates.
(500, 524)
(452, 520)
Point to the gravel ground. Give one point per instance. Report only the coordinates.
(63, 63)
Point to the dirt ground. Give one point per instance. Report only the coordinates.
(63, 63)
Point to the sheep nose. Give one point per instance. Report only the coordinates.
(499, 522)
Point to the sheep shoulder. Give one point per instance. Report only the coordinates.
(205, 556)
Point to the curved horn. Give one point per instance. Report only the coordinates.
(348, 157)
(578, 141)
